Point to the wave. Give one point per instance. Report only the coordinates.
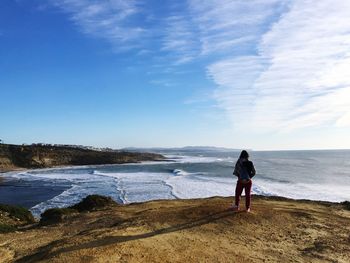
(180, 172)
(195, 186)
(196, 159)
(165, 182)
(141, 186)
(322, 192)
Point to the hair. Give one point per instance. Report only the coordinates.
(244, 154)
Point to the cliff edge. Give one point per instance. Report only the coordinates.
(197, 230)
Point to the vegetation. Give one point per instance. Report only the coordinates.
(346, 204)
(5, 228)
(89, 203)
(55, 215)
(18, 212)
(12, 216)
(93, 202)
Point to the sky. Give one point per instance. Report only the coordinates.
(257, 74)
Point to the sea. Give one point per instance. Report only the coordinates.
(191, 173)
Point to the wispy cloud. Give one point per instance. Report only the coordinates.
(298, 78)
(227, 24)
(180, 38)
(277, 65)
(210, 27)
(107, 19)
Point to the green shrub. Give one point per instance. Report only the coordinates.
(93, 202)
(89, 203)
(55, 215)
(4, 228)
(346, 204)
(19, 212)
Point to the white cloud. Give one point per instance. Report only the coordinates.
(180, 39)
(225, 24)
(235, 78)
(107, 19)
(284, 64)
(205, 28)
(299, 78)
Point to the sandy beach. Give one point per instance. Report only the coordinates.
(197, 230)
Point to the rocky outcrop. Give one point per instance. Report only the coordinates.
(44, 156)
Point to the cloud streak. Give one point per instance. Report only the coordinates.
(229, 24)
(298, 78)
(277, 65)
(106, 19)
(180, 39)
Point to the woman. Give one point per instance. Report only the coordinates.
(244, 170)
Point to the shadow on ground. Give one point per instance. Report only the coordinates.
(45, 251)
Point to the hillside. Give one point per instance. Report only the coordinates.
(197, 230)
(45, 156)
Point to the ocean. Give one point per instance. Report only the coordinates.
(196, 173)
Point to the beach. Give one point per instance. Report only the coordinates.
(196, 230)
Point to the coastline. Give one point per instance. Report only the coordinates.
(33, 194)
(193, 230)
(3, 170)
(48, 156)
(39, 190)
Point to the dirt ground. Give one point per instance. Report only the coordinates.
(198, 230)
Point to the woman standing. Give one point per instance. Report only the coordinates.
(244, 170)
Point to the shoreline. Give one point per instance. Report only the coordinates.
(274, 197)
(3, 171)
(20, 169)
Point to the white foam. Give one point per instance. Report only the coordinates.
(30, 175)
(129, 187)
(193, 159)
(196, 186)
(82, 184)
(141, 186)
(332, 193)
(180, 172)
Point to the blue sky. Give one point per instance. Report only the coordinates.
(259, 74)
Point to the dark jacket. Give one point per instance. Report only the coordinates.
(245, 164)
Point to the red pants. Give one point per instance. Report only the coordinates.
(239, 189)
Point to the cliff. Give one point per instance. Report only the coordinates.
(197, 230)
(44, 156)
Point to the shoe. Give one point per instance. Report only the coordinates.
(248, 210)
(234, 207)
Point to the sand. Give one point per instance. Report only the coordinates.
(198, 230)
